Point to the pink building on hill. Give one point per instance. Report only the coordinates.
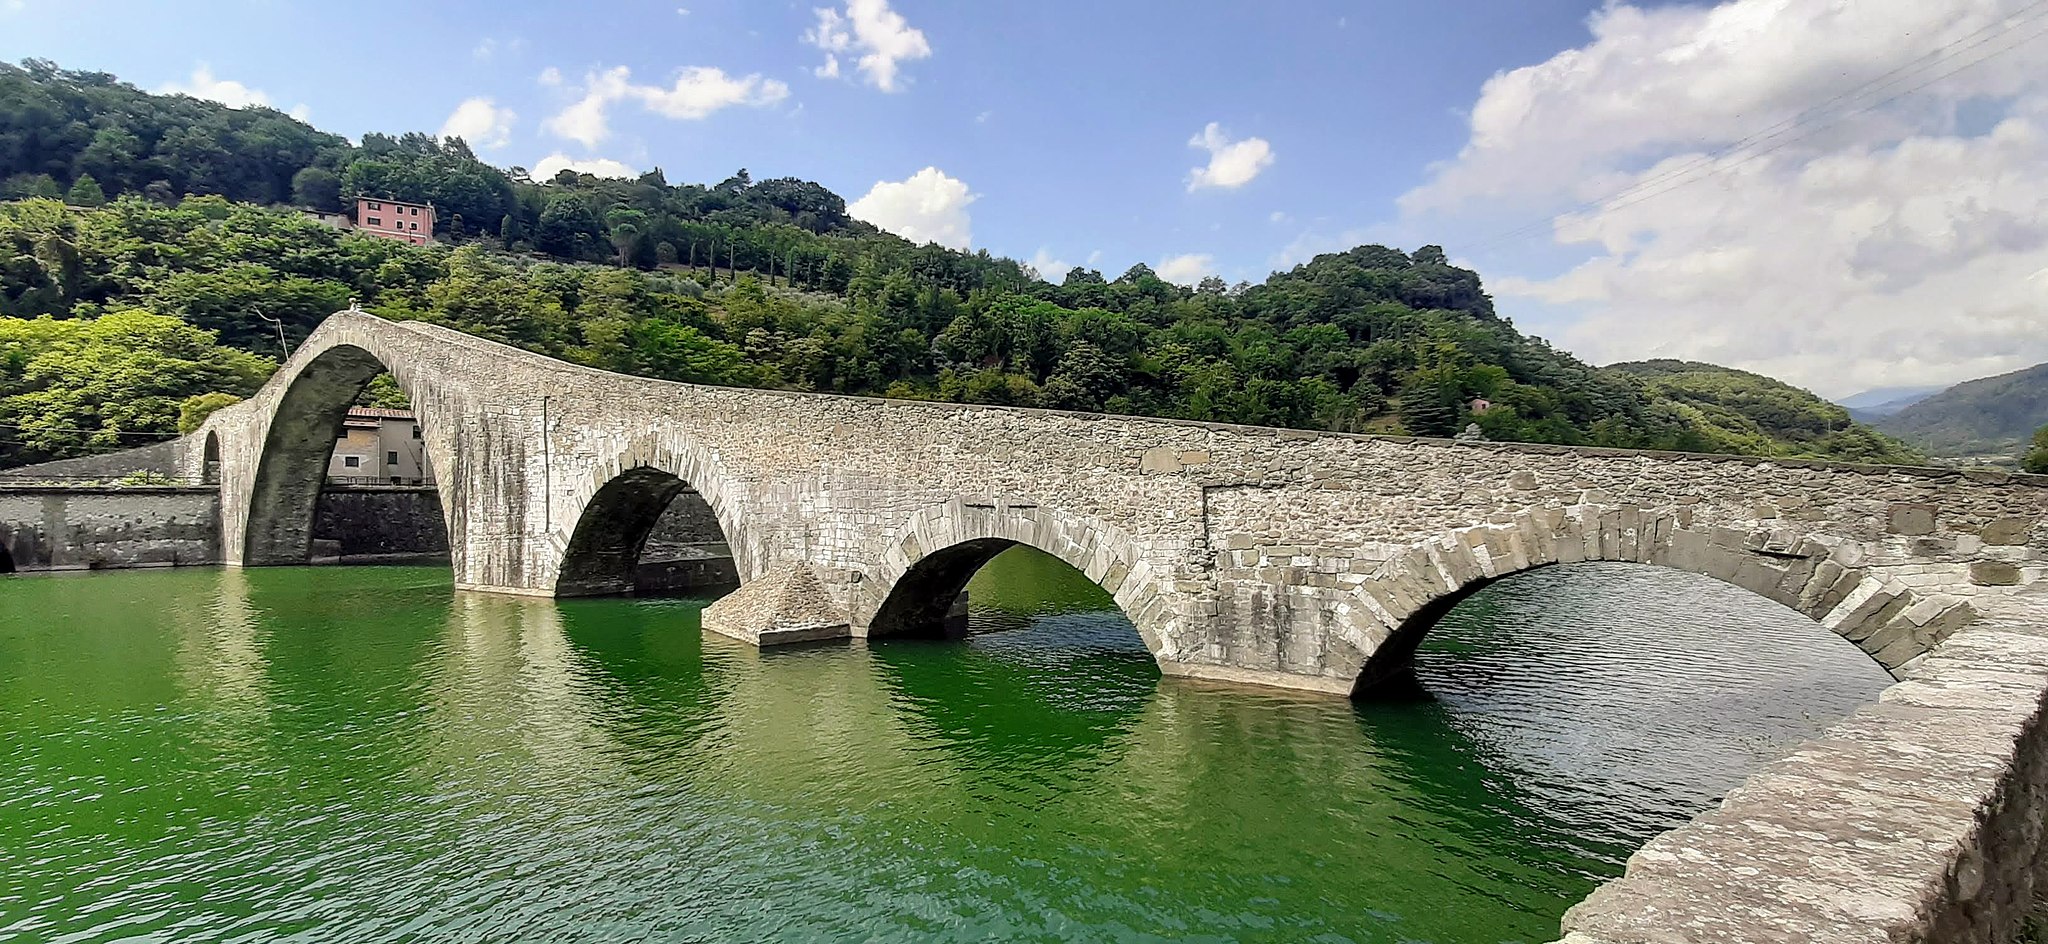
(391, 219)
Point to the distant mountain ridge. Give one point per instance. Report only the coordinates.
(1988, 417)
(1884, 401)
(1758, 415)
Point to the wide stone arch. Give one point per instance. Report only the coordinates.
(939, 547)
(1818, 574)
(614, 504)
(284, 460)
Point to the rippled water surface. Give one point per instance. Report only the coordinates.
(360, 754)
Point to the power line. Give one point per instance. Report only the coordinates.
(70, 429)
(1825, 124)
(1934, 57)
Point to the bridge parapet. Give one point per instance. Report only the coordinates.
(1919, 818)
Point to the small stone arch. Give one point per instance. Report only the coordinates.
(209, 461)
(6, 560)
(618, 501)
(311, 396)
(1819, 575)
(931, 556)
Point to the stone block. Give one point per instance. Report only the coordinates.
(1159, 460)
(1994, 574)
(2006, 531)
(1912, 518)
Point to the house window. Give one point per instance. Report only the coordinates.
(374, 221)
(415, 227)
(391, 458)
(352, 462)
(415, 432)
(374, 205)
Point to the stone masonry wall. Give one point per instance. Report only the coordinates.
(1273, 556)
(78, 528)
(380, 520)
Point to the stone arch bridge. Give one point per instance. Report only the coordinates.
(1279, 557)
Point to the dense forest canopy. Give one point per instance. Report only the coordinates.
(126, 205)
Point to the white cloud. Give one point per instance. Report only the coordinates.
(1232, 164)
(490, 46)
(480, 122)
(547, 167)
(698, 91)
(1897, 245)
(550, 77)
(1186, 269)
(204, 84)
(982, 119)
(682, 11)
(1048, 268)
(877, 35)
(927, 207)
(1278, 216)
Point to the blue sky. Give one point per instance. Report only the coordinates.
(1067, 133)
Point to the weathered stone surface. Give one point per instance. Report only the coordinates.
(783, 606)
(1280, 555)
(71, 527)
(1917, 819)
(1912, 518)
(1995, 574)
(2007, 531)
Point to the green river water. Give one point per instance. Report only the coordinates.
(364, 755)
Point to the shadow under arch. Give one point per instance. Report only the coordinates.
(922, 575)
(6, 560)
(1817, 576)
(299, 444)
(611, 536)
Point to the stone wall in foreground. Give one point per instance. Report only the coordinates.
(91, 527)
(380, 521)
(1917, 819)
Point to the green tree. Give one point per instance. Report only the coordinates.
(96, 385)
(193, 412)
(85, 192)
(317, 188)
(2036, 459)
(567, 228)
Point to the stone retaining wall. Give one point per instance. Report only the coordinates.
(380, 521)
(91, 527)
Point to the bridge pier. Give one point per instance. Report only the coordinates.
(788, 604)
